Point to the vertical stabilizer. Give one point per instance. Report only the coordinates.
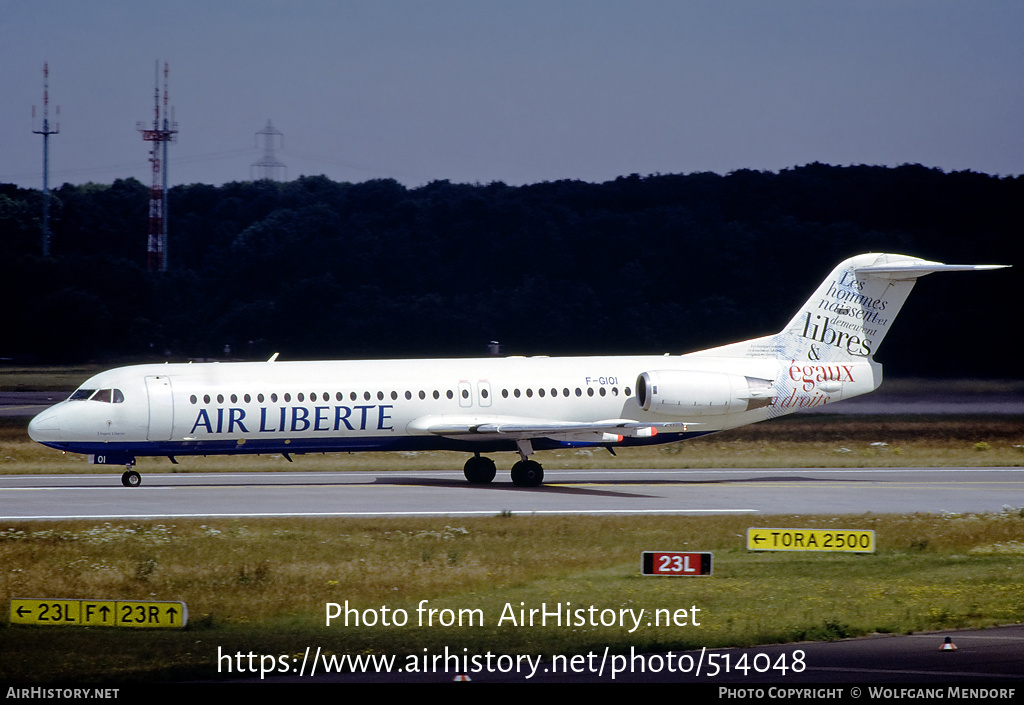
(851, 312)
(827, 349)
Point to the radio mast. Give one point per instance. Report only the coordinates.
(46, 131)
(161, 134)
(269, 167)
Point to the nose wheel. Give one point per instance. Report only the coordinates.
(130, 478)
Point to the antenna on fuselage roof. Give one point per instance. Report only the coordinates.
(273, 358)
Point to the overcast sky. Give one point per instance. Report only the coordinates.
(519, 91)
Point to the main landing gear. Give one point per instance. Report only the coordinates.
(479, 470)
(130, 478)
(525, 473)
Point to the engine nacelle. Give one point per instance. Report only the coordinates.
(696, 393)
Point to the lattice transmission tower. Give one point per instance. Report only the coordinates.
(46, 130)
(269, 167)
(163, 132)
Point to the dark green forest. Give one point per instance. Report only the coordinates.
(314, 268)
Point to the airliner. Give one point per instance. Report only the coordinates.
(497, 404)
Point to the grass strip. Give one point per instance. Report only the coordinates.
(263, 586)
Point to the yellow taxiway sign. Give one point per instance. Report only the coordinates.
(99, 613)
(848, 540)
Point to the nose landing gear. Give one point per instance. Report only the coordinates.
(130, 478)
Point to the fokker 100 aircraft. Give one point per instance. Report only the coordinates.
(485, 405)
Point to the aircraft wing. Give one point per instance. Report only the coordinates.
(470, 428)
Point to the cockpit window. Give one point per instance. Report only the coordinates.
(110, 396)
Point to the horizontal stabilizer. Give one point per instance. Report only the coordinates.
(920, 268)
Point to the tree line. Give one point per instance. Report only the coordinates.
(314, 268)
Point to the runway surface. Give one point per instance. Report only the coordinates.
(446, 493)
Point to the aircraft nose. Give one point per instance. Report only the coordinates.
(45, 427)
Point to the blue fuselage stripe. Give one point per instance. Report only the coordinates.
(340, 445)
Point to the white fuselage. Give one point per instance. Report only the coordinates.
(207, 408)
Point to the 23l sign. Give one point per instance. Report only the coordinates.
(675, 563)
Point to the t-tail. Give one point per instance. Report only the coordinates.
(849, 315)
(834, 336)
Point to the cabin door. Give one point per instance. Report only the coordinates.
(161, 408)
